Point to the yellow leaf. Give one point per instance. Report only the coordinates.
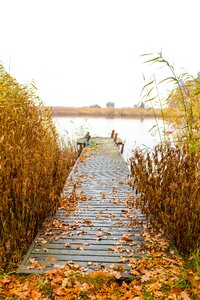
(51, 259)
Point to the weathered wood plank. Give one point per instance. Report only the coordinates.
(89, 246)
(73, 252)
(109, 230)
(102, 178)
(86, 268)
(75, 258)
(92, 239)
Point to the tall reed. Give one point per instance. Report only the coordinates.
(167, 182)
(167, 179)
(33, 166)
(181, 108)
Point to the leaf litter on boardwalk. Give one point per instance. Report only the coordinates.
(158, 274)
(160, 277)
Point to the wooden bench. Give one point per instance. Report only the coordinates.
(81, 143)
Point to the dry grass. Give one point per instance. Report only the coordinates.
(167, 183)
(33, 166)
(128, 112)
(167, 180)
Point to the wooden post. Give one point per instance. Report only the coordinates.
(112, 134)
(115, 137)
(122, 148)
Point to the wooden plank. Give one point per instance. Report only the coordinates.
(104, 171)
(75, 258)
(85, 267)
(70, 217)
(73, 252)
(91, 239)
(89, 246)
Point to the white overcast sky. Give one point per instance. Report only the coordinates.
(84, 52)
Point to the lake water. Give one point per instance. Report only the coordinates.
(135, 132)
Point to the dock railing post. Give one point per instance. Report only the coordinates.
(117, 141)
(112, 134)
(122, 148)
(115, 137)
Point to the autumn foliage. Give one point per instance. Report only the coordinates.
(33, 164)
(167, 180)
(167, 184)
(183, 112)
(158, 277)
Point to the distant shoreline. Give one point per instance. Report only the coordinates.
(126, 112)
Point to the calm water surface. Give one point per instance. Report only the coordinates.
(135, 132)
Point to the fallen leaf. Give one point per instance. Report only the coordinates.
(145, 277)
(51, 259)
(119, 268)
(33, 264)
(81, 232)
(79, 247)
(103, 195)
(126, 238)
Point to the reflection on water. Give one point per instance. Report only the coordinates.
(135, 132)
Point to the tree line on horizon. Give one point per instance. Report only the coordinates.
(109, 104)
(112, 105)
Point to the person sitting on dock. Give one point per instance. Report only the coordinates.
(87, 141)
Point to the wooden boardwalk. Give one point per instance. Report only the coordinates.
(100, 231)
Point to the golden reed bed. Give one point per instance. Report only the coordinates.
(127, 112)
